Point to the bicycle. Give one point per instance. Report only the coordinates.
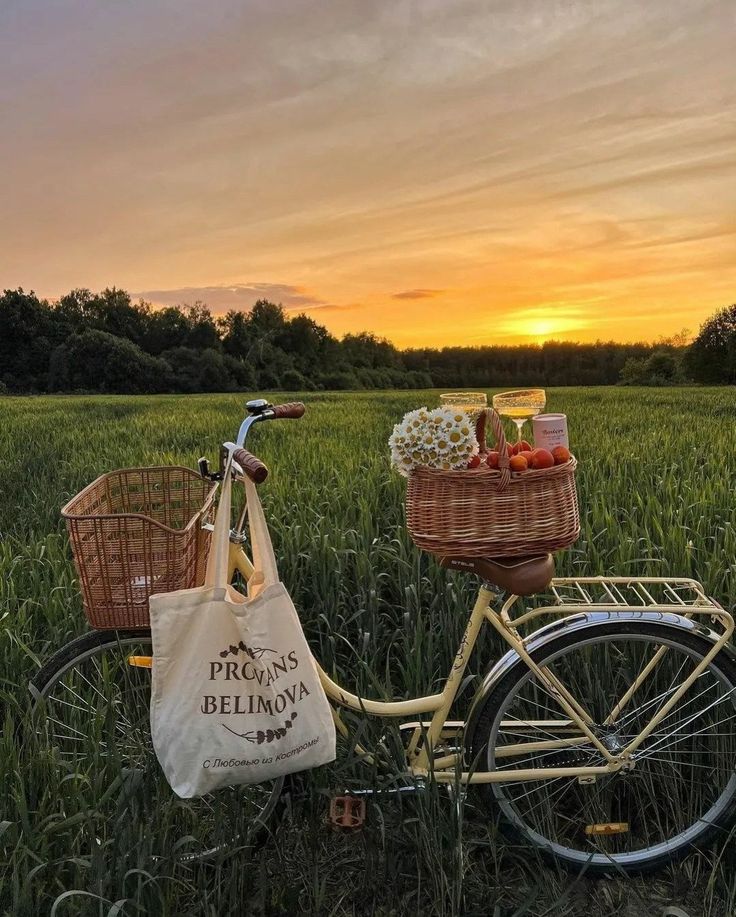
(604, 738)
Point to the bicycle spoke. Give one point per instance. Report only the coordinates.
(539, 684)
(679, 763)
(534, 736)
(65, 703)
(657, 746)
(632, 714)
(82, 736)
(678, 708)
(94, 687)
(569, 782)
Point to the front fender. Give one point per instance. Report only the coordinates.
(579, 623)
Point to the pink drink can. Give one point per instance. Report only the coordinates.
(550, 430)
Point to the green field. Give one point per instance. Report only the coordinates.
(656, 485)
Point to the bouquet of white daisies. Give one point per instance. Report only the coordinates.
(440, 438)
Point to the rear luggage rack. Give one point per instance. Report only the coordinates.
(653, 593)
(616, 594)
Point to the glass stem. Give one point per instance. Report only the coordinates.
(519, 428)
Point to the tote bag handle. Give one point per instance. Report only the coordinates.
(218, 559)
(264, 561)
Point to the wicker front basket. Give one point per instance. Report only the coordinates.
(136, 532)
(484, 512)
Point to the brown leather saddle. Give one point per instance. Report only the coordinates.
(516, 575)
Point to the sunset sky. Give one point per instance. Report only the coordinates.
(436, 171)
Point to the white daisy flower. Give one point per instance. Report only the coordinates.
(440, 438)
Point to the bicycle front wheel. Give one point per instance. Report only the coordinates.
(93, 710)
(681, 790)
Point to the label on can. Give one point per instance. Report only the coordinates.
(550, 430)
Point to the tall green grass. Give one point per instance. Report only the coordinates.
(656, 480)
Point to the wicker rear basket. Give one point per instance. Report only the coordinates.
(135, 532)
(493, 513)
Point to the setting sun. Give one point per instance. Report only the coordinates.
(549, 321)
(542, 329)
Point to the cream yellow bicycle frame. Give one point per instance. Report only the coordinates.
(574, 731)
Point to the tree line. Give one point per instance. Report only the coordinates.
(105, 342)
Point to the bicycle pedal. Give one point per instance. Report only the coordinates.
(606, 828)
(347, 813)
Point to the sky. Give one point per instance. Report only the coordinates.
(434, 171)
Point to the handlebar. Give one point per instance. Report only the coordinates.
(293, 409)
(259, 411)
(252, 466)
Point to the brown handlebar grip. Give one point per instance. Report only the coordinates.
(252, 466)
(293, 409)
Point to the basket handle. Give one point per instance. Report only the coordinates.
(503, 455)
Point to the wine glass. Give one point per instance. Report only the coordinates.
(470, 402)
(520, 406)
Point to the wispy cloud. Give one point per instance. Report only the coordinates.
(240, 297)
(419, 293)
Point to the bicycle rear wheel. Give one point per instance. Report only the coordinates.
(681, 792)
(93, 710)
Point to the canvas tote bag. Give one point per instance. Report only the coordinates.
(235, 694)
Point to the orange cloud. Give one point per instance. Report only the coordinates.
(416, 294)
(240, 297)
